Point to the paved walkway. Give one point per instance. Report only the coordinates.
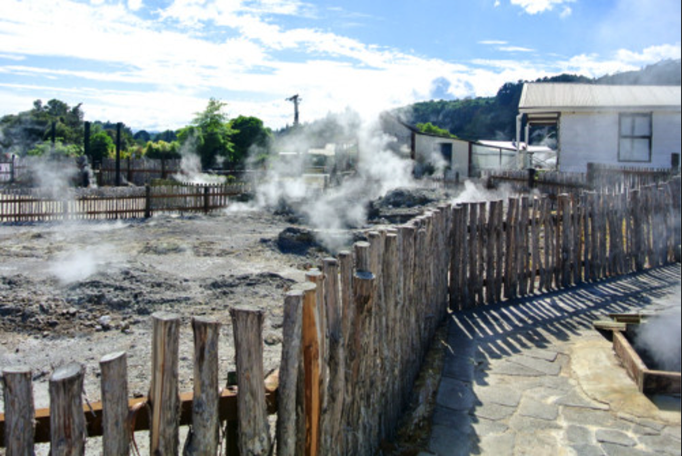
(534, 378)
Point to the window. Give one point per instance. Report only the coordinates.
(635, 138)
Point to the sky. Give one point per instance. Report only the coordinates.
(153, 64)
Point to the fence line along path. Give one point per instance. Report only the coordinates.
(356, 333)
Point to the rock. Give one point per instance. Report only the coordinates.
(407, 198)
(296, 240)
(105, 322)
(272, 339)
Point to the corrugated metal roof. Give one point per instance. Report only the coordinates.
(511, 145)
(558, 97)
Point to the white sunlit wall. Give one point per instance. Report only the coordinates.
(596, 137)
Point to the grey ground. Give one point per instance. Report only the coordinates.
(534, 378)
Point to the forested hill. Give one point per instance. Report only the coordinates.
(495, 117)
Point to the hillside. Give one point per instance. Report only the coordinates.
(494, 117)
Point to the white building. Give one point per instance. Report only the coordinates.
(446, 155)
(637, 126)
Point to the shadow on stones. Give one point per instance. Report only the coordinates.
(499, 331)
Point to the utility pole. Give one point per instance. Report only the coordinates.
(296, 100)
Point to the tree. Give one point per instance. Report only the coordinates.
(162, 149)
(209, 135)
(431, 129)
(248, 133)
(22, 132)
(142, 137)
(101, 146)
(168, 136)
(46, 148)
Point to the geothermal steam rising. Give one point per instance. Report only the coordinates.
(378, 172)
(475, 193)
(190, 166)
(80, 264)
(660, 338)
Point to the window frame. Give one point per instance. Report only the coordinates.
(632, 137)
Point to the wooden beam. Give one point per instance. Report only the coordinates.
(93, 413)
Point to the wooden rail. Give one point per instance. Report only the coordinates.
(93, 413)
(114, 203)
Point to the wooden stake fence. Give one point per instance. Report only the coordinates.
(20, 206)
(356, 333)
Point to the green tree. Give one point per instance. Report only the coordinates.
(22, 132)
(162, 149)
(249, 134)
(47, 149)
(101, 146)
(168, 136)
(431, 129)
(142, 137)
(209, 135)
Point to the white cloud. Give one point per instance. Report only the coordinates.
(595, 65)
(493, 42)
(134, 5)
(567, 12)
(539, 6)
(514, 49)
(12, 57)
(158, 73)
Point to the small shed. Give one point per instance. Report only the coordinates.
(634, 126)
(448, 156)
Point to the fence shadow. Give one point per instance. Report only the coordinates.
(500, 331)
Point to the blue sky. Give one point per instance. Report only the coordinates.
(154, 63)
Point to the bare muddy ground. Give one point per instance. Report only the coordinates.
(76, 292)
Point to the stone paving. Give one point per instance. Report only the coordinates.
(519, 378)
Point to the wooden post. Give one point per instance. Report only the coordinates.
(288, 436)
(535, 245)
(119, 181)
(67, 420)
(482, 241)
(207, 199)
(510, 250)
(376, 249)
(455, 258)
(363, 288)
(499, 248)
(147, 201)
(392, 355)
(164, 396)
(332, 426)
(522, 242)
(114, 385)
(473, 255)
(254, 430)
(362, 256)
(567, 239)
(491, 245)
(205, 436)
(312, 369)
(17, 390)
(317, 277)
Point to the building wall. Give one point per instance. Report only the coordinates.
(428, 150)
(594, 137)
